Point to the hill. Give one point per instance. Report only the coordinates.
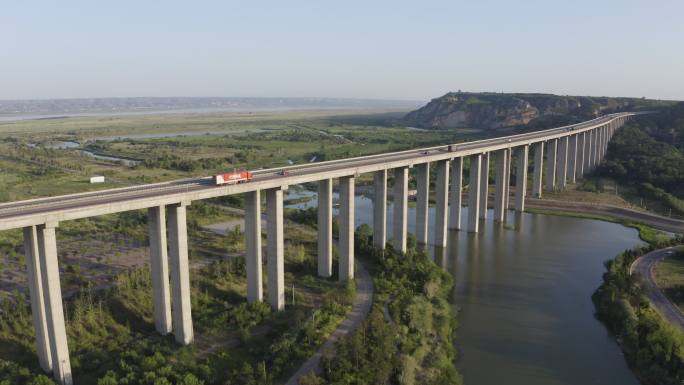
(499, 110)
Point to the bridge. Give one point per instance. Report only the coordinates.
(561, 156)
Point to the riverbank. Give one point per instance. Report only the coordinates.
(653, 348)
(415, 346)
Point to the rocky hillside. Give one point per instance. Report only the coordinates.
(493, 110)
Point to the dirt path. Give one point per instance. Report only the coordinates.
(360, 310)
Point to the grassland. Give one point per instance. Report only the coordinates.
(669, 276)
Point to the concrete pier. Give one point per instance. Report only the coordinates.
(275, 253)
(422, 197)
(180, 273)
(37, 295)
(507, 182)
(484, 185)
(325, 228)
(562, 163)
(474, 193)
(551, 146)
(594, 148)
(159, 269)
(588, 155)
(579, 162)
(456, 194)
(346, 266)
(538, 169)
(442, 203)
(500, 184)
(54, 310)
(380, 209)
(572, 159)
(521, 178)
(400, 224)
(253, 246)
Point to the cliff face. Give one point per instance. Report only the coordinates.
(491, 111)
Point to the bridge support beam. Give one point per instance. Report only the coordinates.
(474, 193)
(253, 246)
(588, 154)
(579, 162)
(37, 295)
(538, 169)
(275, 261)
(54, 310)
(422, 202)
(180, 273)
(551, 146)
(562, 163)
(380, 209)
(594, 148)
(521, 178)
(325, 228)
(456, 194)
(159, 269)
(507, 182)
(484, 185)
(399, 224)
(500, 184)
(572, 159)
(346, 267)
(442, 200)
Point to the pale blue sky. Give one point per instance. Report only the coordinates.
(369, 49)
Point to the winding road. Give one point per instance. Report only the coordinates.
(359, 312)
(644, 266)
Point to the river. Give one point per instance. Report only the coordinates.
(524, 294)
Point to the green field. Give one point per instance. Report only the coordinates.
(669, 276)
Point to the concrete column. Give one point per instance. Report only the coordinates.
(588, 155)
(37, 295)
(579, 162)
(484, 185)
(551, 147)
(400, 209)
(422, 196)
(456, 194)
(380, 209)
(572, 159)
(594, 148)
(521, 179)
(253, 246)
(562, 164)
(346, 228)
(606, 136)
(500, 181)
(275, 261)
(538, 169)
(180, 274)
(442, 207)
(159, 269)
(507, 183)
(474, 193)
(54, 310)
(325, 228)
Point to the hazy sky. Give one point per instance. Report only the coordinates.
(370, 49)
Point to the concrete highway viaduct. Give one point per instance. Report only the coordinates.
(565, 153)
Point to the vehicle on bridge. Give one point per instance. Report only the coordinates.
(232, 178)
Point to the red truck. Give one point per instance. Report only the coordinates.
(232, 177)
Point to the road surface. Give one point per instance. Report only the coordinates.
(644, 266)
(360, 309)
(653, 220)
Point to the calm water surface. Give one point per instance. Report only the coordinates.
(524, 294)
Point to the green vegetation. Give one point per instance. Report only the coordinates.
(408, 336)
(653, 348)
(647, 155)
